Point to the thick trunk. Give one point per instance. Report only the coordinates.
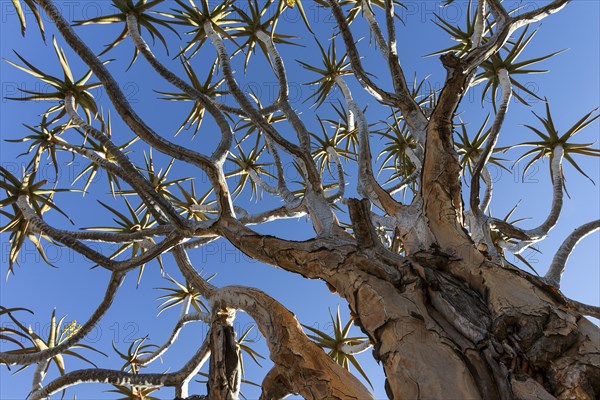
(439, 337)
(446, 324)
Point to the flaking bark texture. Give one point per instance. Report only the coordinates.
(445, 326)
(225, 374)
(300, 365)
(493, 333)
(441, 189)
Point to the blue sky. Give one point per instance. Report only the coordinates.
(572, 87)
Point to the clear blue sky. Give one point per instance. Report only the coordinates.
(572, 88)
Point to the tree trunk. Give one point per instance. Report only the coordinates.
(225, 373)
(504, 335)
(448, 326)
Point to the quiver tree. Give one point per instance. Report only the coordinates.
(410, 243)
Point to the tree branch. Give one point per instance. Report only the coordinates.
(190, 274)
(561, 257)
(290, 199)
(220, 152)
(375, 29)
(63, 237)
(410, 110)
(585, 309)
(120, 378)
(117, 171)
(110, 237)
(225, 375)
(313, 258)
(489, 189)
(302, 156)
(340, 173)
(440, 178)
(351, 349)
(480, 227)
(39, 374)
(274, 385)
(539, 233)
(322, 217)
(157, 204)
(367, 185)
(557, 197)
(505, 27)
(135, 123)
(492, 139)
(115, 281)
(539, 13)
(288, 111)
(480, 22)
(183, 320)
(310, 371)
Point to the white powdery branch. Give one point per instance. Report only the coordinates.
(260, 182)
(557, 198)
(340, 170)
(479, 24)
(478, 221)
(370, 17)
(561, 257)
(185, 306)
(540, 233)
(183, 320)
(291, 115)
(365, 185)
(39, 374)
(290, 198)
(489, 189)
(352, 349)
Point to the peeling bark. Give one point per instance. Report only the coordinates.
(275, 386)
(301, 363)
(440, 177)
(444, 326)
(225, 373)
(437, 337)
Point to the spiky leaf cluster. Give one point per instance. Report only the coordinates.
(181, 293)
(507, 59)
(133, 220)
(332, 67)
(551, 138)
(333, 344)
(145, 19)
(41, 200)
(58, 332)
(61, 87)
(208, 87)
